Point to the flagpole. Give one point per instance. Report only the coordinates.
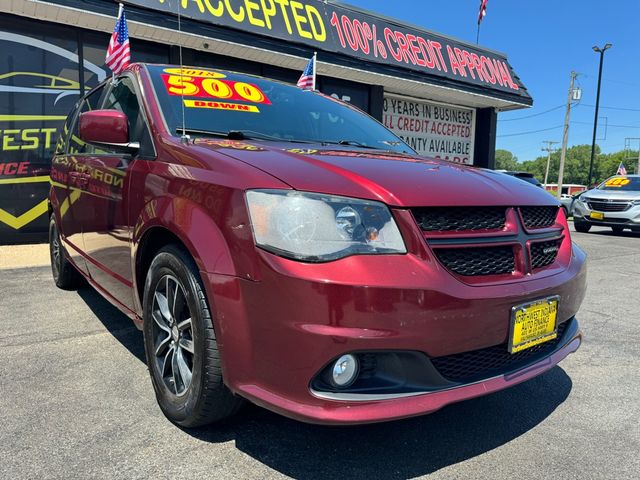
(120, 9)
(315, 58)
(478, 35)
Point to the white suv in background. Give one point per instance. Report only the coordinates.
(614, 203)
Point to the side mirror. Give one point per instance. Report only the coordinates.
(108, 128)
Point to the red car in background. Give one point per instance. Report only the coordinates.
(280, 246)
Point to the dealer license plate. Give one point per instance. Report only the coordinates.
(597, 215)
(533, 323)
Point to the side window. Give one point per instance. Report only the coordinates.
(61, 144)
(123, 97)
(91, 102)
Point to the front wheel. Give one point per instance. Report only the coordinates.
(581, 227)
(180, 343)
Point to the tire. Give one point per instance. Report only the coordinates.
(64, 273)
(182, 355)
(581, 227)
(617, 230)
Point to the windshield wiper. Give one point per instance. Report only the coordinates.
(212, 133)
(240, 135)
(356, 143)
(247, 134)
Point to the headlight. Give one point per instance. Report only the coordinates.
(318, 228)
(635, 202)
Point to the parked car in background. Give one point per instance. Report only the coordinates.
(572, 204)
(614, 203)
(568, 202)
(565, 201)
(525, 176)
(280, 246)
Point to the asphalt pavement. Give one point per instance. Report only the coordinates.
(76, 402)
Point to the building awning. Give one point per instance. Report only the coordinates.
(352, 44)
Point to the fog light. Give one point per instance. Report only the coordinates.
(344, 371)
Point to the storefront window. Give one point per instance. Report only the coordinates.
(39, 85)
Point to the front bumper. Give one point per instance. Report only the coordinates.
(376, 409)
(629, 218)
(277, 333)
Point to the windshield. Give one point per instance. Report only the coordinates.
(627, 184)
(221, 102)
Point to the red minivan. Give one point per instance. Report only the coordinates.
(280, 246)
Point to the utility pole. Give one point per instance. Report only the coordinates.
(549, 149)
(565, 136)
(627, 151)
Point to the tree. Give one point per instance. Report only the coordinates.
(505, 160)
(576, 167)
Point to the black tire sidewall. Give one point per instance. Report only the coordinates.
(581, 227)
(169, 261)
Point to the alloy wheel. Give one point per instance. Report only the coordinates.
(55, 252)
(172, 332)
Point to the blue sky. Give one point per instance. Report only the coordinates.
(544, 40)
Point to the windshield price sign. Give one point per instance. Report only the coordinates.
(218, 88)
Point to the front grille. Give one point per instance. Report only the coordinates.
(477, 260)
(539, 217)
(456, 219)
(544, 253)
(487, 362)
(619, 206)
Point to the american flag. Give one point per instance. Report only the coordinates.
(621, 169)
(307, 80)
(118, 52)
(483, 10)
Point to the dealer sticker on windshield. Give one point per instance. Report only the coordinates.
(533, 323)
(236, 107)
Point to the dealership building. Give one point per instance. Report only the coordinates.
(441, 95)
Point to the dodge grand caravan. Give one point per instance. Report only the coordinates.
(279, 246)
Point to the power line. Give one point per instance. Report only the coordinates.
(529, 132)
(608, 124)
(614, 108)
(577, 105)
(608, 80)
(560, 126)
(532, 115)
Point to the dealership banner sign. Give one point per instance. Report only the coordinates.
(338, 28)
(432, 129)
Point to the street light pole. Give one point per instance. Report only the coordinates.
(595, 120)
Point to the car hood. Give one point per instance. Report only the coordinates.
(392, 178)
